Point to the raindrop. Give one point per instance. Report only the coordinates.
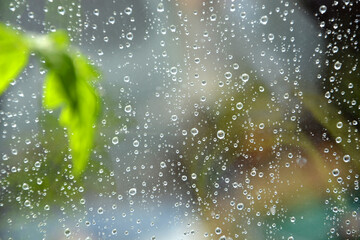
(240, 206)
(239, 105)
(220, 134)
(128, 10)
(245, 77)
(100, 210)
(346, 158)
(61, 10)
(129, 36)
(67, 232)
(136, 143)
(115, 140)
(132, 191)
(322, 9)
(173, 70)
(160, 7)
(111, 20)
(264, 20)
(213, 17)
(174, 118)
(194, 131)
(25, 186)
(228, 75)
(127, 108)
(335, 172)
(337, 65)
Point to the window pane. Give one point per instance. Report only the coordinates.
(218, 120)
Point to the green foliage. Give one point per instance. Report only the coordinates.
(13, 56)
(67, 84)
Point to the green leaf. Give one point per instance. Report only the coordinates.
(14, 54)
(67, 86)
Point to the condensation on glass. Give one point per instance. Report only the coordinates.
(234, 119)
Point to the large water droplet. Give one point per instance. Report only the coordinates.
(132, 191)
(264, 20)
(220, 134)
(160, 7)
(322, 9)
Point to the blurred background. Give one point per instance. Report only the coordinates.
(220, 120)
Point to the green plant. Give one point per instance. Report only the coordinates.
(67, 84)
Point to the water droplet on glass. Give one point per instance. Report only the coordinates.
(240, 206)
(67, 232)
(61, 10)
(220, 134)
(129, 36)
(132, 191)
(264, 20)
(111, 20)
(160, 7)
(322, 9)
(25, 186)
(100, 210)
(228, 75)
(245, 77)
(127, 108)
(128, 10)
(346, 158)
(213, 17)
(173, 70)
(115, 140)
(136, 143)
(239, 105)
(335, 172)
(194, 131)
(337, 65)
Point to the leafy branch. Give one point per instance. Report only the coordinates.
(67, 84)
